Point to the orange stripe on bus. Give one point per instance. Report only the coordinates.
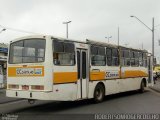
(135, 73)
(64, 77)
(12, 71)
(97, 75)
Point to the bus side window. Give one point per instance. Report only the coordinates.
(145, 59)
(55, 58)
(112, 56)
(140, 59)
(109, 56)
(115, 57)
(125, 57)
(132, 56)
(63, 53)
(136, 58)
(57, 48)
(98, 57)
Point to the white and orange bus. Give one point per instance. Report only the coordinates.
(52, 68)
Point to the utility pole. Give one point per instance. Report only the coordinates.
(152, 30)
(153, 39)
(118, 36)
(67, 28)
(108, 38)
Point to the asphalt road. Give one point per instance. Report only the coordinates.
(130, 102)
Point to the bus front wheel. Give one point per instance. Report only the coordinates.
(99, 93)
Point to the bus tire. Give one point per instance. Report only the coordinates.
(141, 90)
(99, 93)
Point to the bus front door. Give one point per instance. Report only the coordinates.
(82, 65)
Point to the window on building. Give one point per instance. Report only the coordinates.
(63, 53)
(98, 56)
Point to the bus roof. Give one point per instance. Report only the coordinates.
(94, 42)
(88, 41)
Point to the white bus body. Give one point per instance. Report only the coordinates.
(50, 68)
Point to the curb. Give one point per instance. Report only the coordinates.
(157, 90)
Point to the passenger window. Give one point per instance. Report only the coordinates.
(58, 46)
(112, 56)
(132, 55)
(98, 56)
(109, 56)
(125, 57)
(69, 47)
(94, 50)
(115, 57)
(145, 59)
(134, 58)
(64, 53)
(140, 59)
(63, 59)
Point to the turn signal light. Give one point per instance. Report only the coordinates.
(37, 87)
(13, 86)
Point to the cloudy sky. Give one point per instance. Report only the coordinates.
(92, 19)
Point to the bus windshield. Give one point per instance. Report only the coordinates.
(27, 51)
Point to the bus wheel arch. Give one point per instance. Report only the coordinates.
(145, 82)
(99, 92)
(143, 85)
